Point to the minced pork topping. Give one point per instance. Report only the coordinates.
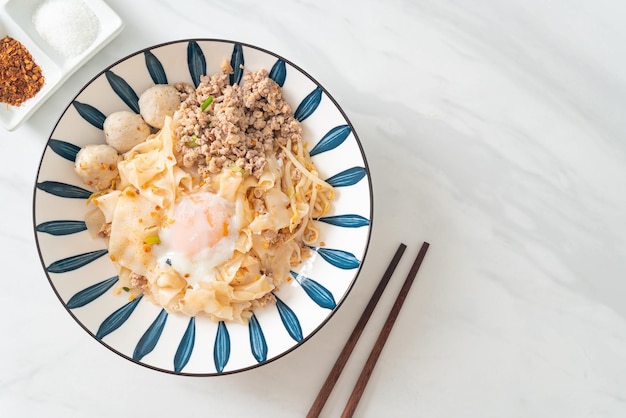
(219, 124)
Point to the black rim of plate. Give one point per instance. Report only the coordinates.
(338, 304)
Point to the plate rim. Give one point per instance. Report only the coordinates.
(352, 281)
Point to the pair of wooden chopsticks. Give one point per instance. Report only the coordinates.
(368, 368)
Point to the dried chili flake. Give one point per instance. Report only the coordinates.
(20, 77)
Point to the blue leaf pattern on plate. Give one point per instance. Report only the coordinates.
(221, 348)
(258, 345)
(308, 105)
(155, 68)
(151, 337)
(331, 140)
(90, 114)
(236, 63)
(117, 319)
(290, 320)
(338, 258)
(91, 293)
(59, 228)
(346, 221)
(64, 190)
(64, 149)
(185, 348)
(123, 90)
(318, 293)
(348, 177)
(196, 62)
(75, 262)
(278, 73)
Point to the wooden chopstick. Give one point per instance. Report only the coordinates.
(329, 384)
(359, 387)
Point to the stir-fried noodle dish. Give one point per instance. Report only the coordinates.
(206, 199)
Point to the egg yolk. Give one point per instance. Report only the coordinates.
(200, 221)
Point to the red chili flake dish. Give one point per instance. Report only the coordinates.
(20, 77)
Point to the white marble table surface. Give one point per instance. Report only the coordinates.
(495, 130)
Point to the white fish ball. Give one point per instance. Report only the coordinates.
(96, 165)
(158, 102)
(123, 130)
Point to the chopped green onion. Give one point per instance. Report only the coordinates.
(126, 289)
(236, 169)
(192, 143)
(153, 239)
(206, 103)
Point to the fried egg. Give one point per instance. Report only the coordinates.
(201, 236)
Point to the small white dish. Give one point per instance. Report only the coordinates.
(16, 22)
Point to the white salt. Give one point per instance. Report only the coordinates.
(69, 26)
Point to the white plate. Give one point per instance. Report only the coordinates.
(83, 277)
(16, 22)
